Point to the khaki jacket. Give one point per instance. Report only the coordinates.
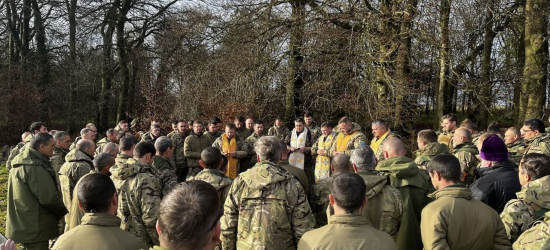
(98, 231)
(193, 147)
(457, 221)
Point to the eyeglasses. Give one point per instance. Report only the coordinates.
(217, 219)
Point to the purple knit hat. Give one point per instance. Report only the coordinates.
(494, 149)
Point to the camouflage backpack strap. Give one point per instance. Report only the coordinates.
(539, 212)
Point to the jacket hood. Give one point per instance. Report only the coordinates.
(77, 155)
(468, 147)
(222, 182)
(433, 149)
(356, 127)
(453, 192)
(161, 163)
(401, 167)
(28, 156)
(537, 191)
(264, 175)
(375, 183)
(131, 168)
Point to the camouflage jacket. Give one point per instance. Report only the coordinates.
(357, 140)
(536, 238)
(166, 173)
(243, 132)
(58, 158)
(178, 159)
(424, 155)
(249, 147)
(241, 148)
(192, 148)
(539, 144)
(13, 153)
(533, 201)
(217, 179)
(148, 137)
(73, 145)
(139, 194)
(266, 209)
(315, 131)
(445, 137)
(101, 144)
(514, 151)
(77, 164)
(213, 136)
(281, 133)
(319, 199)
(466, 155)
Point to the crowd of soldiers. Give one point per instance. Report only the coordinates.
(312, 187)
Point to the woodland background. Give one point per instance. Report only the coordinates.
(69, 62)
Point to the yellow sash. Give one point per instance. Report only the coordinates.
(342, 141)
(230, 147)
(375, 144)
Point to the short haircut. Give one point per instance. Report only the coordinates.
(349, 191)
(52, 132)
(110, 146)
(188, 230)
(299, 120)
(40, 139)
(363, 158)
(447, 165)
(211, 157)
(308, 114)
(268, 148)
(127, 142)
(340, 163)
(60, 135)
(259, 122)
(464, 132)
(163, 143)
(495, 129)
(535, 124)
(469, 125)
(175, 122)
(427, 136)
(90, 126)
(515, 130)
(535, 165)
(482, 138)
(94, 193)
(85, 131)
(110, 131)
(380, 123)
(191, 122)
(155, 126)
(325, 125)
(278, 118)
(345, 120)
(144, 148)
(36, 126)
(182, 121)
(197, 122)
(103, 160)
(450, 116)
(122, 122)
(85, 144)
(239, 119)
(230, 126)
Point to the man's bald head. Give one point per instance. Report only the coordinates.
(463, 132)
(393, 147)
(340, 163)
(111, 148)
(86, 146)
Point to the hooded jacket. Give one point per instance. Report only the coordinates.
(414, 186)
(139, 194)
(265, 197)
(456, 221)
(536, 237)
(101, 145)
(77, 164)
(532, 202)
(466, 154)
(217, 179)
(424, 155)
(166, 173)
(496, 185)
(34, 205)
(58, 158)
(538, 144)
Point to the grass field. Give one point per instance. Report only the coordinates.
(3, 197)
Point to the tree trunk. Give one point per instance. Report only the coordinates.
(71, 10)
(43, 62)
(445, 90)
(25, 37)
(295, 79)
(122, 60)
(536, 60)
(484, 96)
(107, 31)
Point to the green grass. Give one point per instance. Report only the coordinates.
(3, 197)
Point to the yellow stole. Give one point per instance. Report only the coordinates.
(230, 147)
(342, 141)
(375, 144)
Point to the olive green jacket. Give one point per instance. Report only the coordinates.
(414, 187)
(98, 231)
(456, 221)
(34, 205)
(193, 147)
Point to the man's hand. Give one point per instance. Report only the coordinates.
(335, 153)
(320, 152)
(9, 245)
(302, 150)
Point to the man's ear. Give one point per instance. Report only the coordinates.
(258, 158)
(354, 167)
(217, 233)
(331, 199)
(80, 206)
(158, 228)
(202, 164)
(364, 202)
(386, 155)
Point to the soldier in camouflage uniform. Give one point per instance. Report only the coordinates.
(536, 238)
(312, 126)
(35, 128)
(178, 159)
(279, 129)
(85, 133)
(174, 128)
(111, 136)
(428, 147)
(193, 146)
(211, 161)
(512, 139)
(533, 135)
(251, 160)
(533, 199)
(472, 126)
(242, 131)
(448, 122)
(152, 135)
(265, 197)
(465, 151)
(79, 162)
(139, 194)
(127, 145)
(214, 129)
(349, 138)
(319, 195)
(161, 162)
(122, 126)
(62, 144)
(381, 133)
